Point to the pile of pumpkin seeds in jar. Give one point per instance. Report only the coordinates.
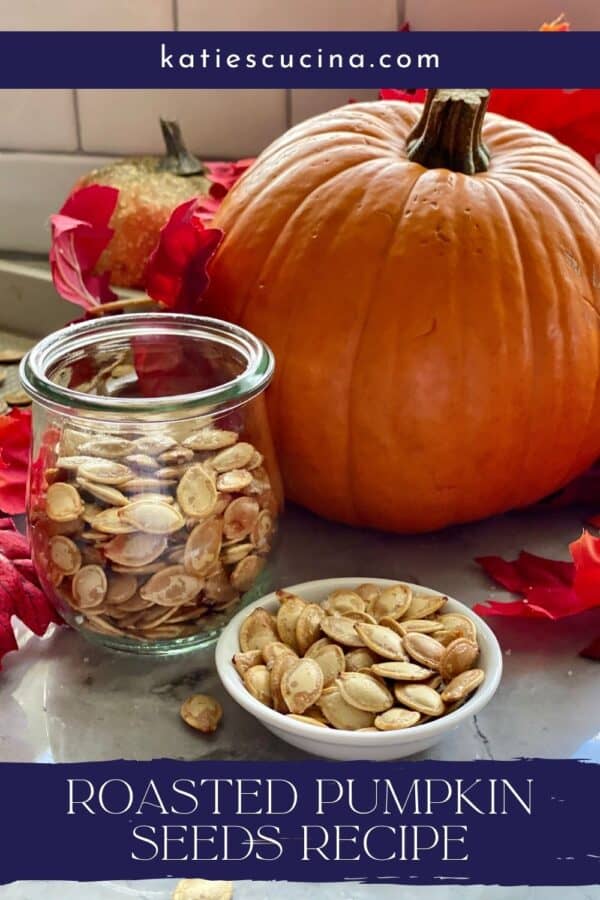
(370, 659)
(152, 537)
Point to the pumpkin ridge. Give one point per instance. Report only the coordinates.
(575, 466)
(238, 223)
(275, 244)
(564, 358)
(369, 307)
(514, 479)
(276, 405)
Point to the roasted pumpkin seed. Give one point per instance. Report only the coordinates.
(458, 657)
(152, 518)
(420, 697)
(368, 592)
(341, 714)
(330, 659)
(287, 617)
(89, 587)
(107, 447)
(301, 685)
(103, 492)
(382, 641)
(258, 681)
(343, 601)
(121, 588)
(200, 889)
(63, 503)
(240, 517)
(245, 661)
(364, 692)
(210, 439)
(171, 587)
(308, 626)
(424, 649)
(462, 685)
(308, 720)
(234, 481)
(197, 492)
(135, 549)
(235, 457)
(423, 626)
(65, 554)
(397, 718)
(342, 631)
(202, 547)
(101, 471)
(278, 668)
(359, 659)
(246, 572)
(202, 712)
(401, 671)
(392, 602)
(423, 605)
(258, 629)
(462, 624)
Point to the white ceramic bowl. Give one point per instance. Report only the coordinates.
(349, 745)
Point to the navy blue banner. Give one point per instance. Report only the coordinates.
(527, 822)
(348, 59)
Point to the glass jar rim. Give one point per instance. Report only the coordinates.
(47, 353)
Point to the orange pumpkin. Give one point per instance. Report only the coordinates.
(433, 301)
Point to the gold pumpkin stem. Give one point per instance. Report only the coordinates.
(448, 134)
(178, 160)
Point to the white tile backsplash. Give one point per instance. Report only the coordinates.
(51, 140)
(87, 15)
(473, 15)
(287, 15)
(37, 120)
(305, 104)
(215, 123)
(32, 187)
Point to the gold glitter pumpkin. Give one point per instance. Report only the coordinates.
(150, 188)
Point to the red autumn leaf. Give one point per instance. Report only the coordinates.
(80, 232)
(592, 651)
(177, 271)
(207, 207)
(15, 440)
(586, 556)
(225, 174)
(20, 593)
(550, 588)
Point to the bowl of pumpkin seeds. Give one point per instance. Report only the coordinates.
(359, 668)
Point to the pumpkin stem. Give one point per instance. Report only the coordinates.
(448, 134)
(178, 159)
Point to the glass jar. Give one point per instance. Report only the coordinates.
(154, 489)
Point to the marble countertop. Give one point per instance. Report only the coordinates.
(62, 699)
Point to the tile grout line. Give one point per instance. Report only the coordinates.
(175, 13)
(77, 120)
(400, 12)
(288, 108)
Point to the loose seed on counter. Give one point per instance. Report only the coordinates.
(392, 680)
(202, 712)
(200, 889)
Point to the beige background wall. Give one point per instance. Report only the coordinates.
(48, 138)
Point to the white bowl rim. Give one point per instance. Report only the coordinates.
(235, 687)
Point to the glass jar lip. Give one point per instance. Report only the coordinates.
(258, 371)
